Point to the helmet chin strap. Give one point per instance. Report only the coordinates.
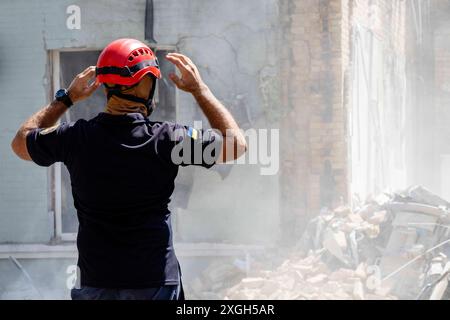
(114, 91)
(150, 105)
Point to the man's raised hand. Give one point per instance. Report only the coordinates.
(80, 88)
(190, 80)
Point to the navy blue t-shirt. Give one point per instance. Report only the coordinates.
(122, 171)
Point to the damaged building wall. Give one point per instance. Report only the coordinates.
(438, 112)
(314, 172)
(420, 96)
(392, 117)
(432, 30)
(393, 137)
(353, 102)
(237, 57)
(377, 96)
(442, 80)
(341, 79)
(235, 52)
(25, 189)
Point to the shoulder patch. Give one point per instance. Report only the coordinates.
(48, 130)
(193, 133)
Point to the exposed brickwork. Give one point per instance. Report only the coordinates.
(317, 36)
(314, 172)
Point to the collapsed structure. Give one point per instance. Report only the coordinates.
(394, 246)
(359, 90)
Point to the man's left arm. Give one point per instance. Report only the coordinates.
(47, 117)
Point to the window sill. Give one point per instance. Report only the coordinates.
(69, 250)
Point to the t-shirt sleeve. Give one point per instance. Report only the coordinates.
(47, 146)
(187, 146)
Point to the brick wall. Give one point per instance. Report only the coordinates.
(314, 159)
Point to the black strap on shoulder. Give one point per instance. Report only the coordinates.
(150, 104)
(128, 72)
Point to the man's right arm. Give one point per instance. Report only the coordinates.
(47, 117)
(234, 144)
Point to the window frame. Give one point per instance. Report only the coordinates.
(55, 171)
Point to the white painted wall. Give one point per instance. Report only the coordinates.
(235, 52)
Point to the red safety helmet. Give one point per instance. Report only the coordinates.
(126, 62)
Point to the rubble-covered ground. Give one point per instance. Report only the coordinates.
(308, 278)
(393, 246)
(297, 278)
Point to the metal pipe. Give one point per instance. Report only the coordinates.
(414, 260)
(27, 276)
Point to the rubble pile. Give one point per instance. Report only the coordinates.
(214, 281)
(385, 248)
(308, 279)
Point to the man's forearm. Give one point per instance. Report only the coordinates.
(222, 120)
(234, 144)
(218, 116)
(45, 118)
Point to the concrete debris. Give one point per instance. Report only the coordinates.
(387, 248)
(358, 291)
(377, 218)
(215, 279)
(386, 232)
(304, 280)
(335, 242)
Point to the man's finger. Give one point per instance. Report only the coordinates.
(187, 61)
(183, 58)
(88, 72)
(94, 86)
(177, 61)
